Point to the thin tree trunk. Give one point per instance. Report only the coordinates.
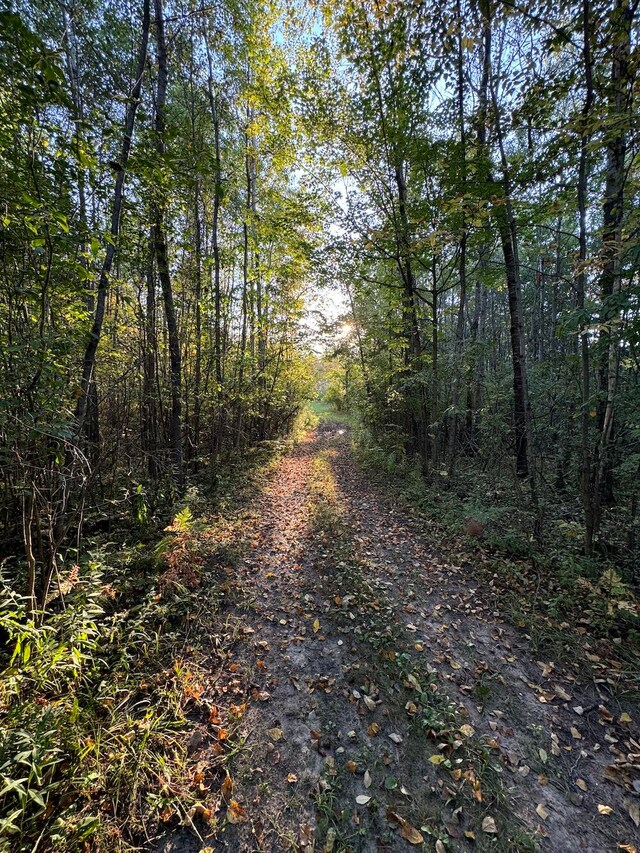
(585, 444)
(509, 242)
(462, 262)
(88, 364)
(149, 393)
(215, 240)
(162, 259)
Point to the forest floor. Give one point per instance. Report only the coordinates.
(373, 696)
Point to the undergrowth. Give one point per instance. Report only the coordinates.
(98, 695)
(549, 588)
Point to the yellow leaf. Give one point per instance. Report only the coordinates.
(436, 759)
(316, 626)
(542, 812)
(604, 809)
(275, 734)
(467, 730)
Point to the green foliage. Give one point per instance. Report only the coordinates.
(90, 714)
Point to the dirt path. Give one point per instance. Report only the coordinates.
(387, 703)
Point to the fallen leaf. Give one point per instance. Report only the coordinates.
(467, 730)
(436, 759)
(367, 779)
(575, 733)
(226, 788)
(235, 813)
(581, 784)
(275, 734)
(292, 778)
(542, 812)
(203, 812)
(329, 841)
(396, 738)
(316, 626)
(368, 701)
(373, 729)
(633, 807)
(489, 825)
(362, 799)
(604, 809)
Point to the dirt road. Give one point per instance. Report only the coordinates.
(386, 702)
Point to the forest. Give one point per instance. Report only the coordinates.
(319, 425)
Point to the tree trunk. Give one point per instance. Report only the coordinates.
(612, 218)
(581, 277)
(462, 262)
(88, 364)
(162, 260)
(149, 407)
(215, 240)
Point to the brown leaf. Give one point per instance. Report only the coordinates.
(275, 734)
(489, 825)
(226, 789)
(236, 813)
(633, 807)
(561, 693)
(410, 833)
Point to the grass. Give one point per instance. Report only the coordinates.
(325, 412)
